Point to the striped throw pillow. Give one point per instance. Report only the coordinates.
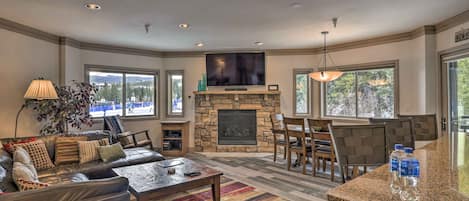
(38, 152)
(103, 142)
(25, 185)
(66, 149)
(88, 151)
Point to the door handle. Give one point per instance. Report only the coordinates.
(443, 123)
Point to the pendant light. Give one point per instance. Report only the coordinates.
(325, 75)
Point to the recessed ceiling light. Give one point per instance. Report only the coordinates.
(184, 26)
(199, 44)
(296, 5)
(93, 6)
(258, 43)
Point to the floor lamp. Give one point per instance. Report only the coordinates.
(38, 90)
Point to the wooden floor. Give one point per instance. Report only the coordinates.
(260, 171)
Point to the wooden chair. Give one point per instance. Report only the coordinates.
(398, 131)
(278, 131)
(322, 146)
(425, 126)
(295, 127)
(358, 145)
(127, 139)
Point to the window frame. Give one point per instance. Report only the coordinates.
(357, 67)
(310, 92)
(125, 71)
(169, 113)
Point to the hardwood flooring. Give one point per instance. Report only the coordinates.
(260, 171)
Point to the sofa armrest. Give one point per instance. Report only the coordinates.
(101, 189)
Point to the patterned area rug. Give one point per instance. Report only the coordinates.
(231, 190)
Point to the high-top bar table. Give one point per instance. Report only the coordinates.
(444, 175)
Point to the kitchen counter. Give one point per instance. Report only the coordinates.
(444, 175)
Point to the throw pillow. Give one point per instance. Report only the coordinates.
(21, 156)
(103, 142)
(22, 171)
(111, 152)
(66, 149)
(38, 152)
(88, 151)
(25, 185)
(10, 146)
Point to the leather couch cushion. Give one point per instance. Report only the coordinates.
(65, 178)
(99, 169)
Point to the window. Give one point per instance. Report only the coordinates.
(175, 93)
(302, 84)
(124, 91)
(362, 93)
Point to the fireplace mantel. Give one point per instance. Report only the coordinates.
(207, 105)
(234, 92)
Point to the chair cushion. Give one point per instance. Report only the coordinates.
(65, 178)
(111, 152)
(66, 149)
(38, 152)
(88, 151)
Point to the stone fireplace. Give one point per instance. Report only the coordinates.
(234, 121)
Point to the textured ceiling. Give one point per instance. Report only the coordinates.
(227, 24)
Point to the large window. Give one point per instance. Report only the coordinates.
(362, 93)
(125, 92)
(175, 92)
(302, 97)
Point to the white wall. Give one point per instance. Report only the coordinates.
(22, 59)
(445, 39)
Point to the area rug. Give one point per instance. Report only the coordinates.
(231, 190)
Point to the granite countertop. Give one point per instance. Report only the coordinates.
(444, 166)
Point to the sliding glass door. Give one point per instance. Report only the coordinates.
(458, 95)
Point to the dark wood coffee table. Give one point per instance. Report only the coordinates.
(150, 181)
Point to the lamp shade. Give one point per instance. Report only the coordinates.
(41, 90)
(325, 76)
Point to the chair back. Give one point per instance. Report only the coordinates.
(361, 145)
(295, 127)
(319, 125)
(114, 125)
(398, 131)
(425, 126)
(277, 121)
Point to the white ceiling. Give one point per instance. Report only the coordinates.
(227, 24)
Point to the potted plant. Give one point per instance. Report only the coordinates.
(70, 109)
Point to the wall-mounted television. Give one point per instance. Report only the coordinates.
(235, 69)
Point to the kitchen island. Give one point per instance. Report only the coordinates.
(444, 175)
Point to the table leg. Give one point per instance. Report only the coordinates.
(216, 188)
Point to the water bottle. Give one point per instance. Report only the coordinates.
(394, 159)
(409, 175)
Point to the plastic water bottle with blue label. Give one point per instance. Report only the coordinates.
(409, 176)
(394, 160)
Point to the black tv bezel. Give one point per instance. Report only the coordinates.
(252, 52)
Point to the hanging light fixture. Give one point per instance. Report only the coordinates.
(325, 75)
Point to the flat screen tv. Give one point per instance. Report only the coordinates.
(235, 69)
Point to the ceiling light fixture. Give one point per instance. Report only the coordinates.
(93, 6)
(325, 75)
(199, 44)
(184, 26)
(258, 43)
(296, 5)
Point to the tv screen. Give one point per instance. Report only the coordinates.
(235, 69)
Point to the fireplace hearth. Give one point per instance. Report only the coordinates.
(237, 127)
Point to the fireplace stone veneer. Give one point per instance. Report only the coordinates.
(207, 105)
